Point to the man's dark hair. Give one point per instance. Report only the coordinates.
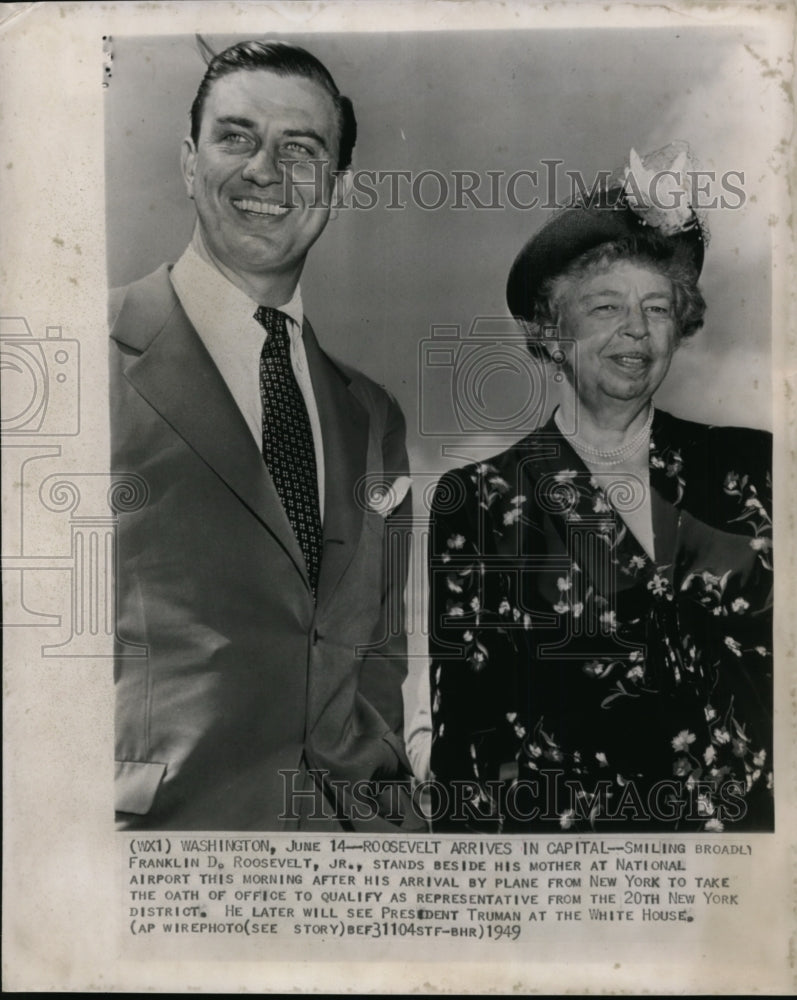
(283, 60)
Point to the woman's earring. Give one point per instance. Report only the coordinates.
(555, 352)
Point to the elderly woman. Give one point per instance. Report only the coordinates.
(600, 592)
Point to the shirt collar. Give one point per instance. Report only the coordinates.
(294, 309)
(211, 300)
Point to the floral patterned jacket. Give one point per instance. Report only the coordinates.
(576, 683)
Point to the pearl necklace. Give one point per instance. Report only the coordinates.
(616, 455)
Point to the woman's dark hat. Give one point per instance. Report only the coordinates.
(606, 216)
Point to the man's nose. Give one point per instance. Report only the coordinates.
(263, 168)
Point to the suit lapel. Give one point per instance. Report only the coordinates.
(177, 376)
(344, 428)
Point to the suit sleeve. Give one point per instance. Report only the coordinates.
(384, 667)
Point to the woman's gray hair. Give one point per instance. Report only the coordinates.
(689, 304)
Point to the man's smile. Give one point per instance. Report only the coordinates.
(255, 206)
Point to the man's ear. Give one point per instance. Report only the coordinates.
(341, 187)
(188, 164)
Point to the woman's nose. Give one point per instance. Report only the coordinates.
(636, 322)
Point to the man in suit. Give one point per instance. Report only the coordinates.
(255, 575)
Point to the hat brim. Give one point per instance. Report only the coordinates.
(576, 230)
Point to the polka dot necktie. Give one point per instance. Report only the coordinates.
(288, 447)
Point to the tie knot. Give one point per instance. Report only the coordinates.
(274, 323)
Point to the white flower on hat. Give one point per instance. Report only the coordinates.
(657, 188)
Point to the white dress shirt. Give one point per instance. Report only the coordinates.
(224, 318)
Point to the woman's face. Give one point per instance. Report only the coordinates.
(620, 321)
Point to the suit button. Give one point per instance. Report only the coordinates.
(316, 636)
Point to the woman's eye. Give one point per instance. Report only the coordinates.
(659, 310)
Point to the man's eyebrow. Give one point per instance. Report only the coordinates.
(234, 120)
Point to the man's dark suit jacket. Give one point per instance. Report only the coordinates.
(244, 675)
